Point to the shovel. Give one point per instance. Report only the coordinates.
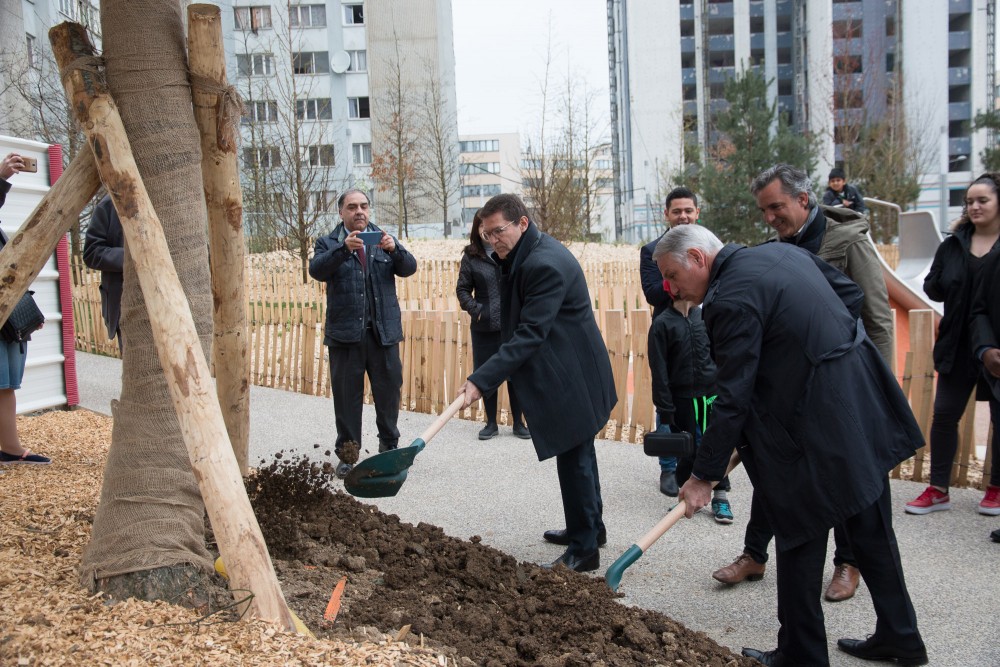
(613, 575)
(380, 476)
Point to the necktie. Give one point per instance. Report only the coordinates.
(361, 256)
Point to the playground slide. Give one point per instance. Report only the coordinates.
(918, 241)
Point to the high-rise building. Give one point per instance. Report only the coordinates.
(490, 165)
(344, 86)
(828, 63)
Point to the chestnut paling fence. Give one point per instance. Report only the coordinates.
(285, 325)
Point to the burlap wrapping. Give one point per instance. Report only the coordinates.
(151, 512)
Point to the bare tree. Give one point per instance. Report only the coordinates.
(289, 156)
(439, 151)
(32, 78)
(882, 151)
(396, 163)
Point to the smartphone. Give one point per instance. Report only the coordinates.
(30, 164)
(370, 238)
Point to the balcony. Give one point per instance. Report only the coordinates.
(959, 76)
(720, 10)
(720, 43)
(959, 111)
(959, 41)
(848, 11)
(687, 44)
(690, 107)
(721, 74)
(689, 76)
(757, 42)
(960, 6)
(960, 146)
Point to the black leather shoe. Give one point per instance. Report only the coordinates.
(995, 535)
(521, 431)
(386, 446)
(870, 649)
(577, 563)
(489, 431)
(668, 484)
(561, 538)
(769, 658)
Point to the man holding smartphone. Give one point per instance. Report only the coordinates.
(359, 263)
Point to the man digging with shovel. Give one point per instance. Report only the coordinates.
(557, 362)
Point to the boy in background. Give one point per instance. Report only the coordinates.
(839, 193)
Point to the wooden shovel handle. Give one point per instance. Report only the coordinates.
(675, 514)
(443, 419)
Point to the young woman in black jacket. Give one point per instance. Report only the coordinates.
(478, 291)
(953, 278)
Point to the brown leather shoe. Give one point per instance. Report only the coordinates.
(744, 567)
(843, 584)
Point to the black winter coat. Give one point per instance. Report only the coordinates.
(950, 280)
(652, 279)
(985, 315)
(552, 350)
(104, 250)
(819, 417)
(478, 291)
(679, 359)
(346, 285)
(851, 193)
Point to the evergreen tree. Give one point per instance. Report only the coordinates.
(989, 120)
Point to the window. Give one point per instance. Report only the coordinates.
(362, 153)
(847, 64)
(255, 64)
(253, 18)
(848, 99)
(357, 107)
(468, 214)
(308, 62)
(359, 61)
(30, 43)
(319, 156)
(322, 201)
(317, 109)
(480, 146)
(847, 29)
(261, 111)
(479, 168)
(266, 157)
(488, 190)
(354, 14)
(307, 16)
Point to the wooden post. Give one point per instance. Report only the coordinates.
(28, 250)
(224, 199)
(186, 369)
(922, 398)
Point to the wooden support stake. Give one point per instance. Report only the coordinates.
(185, 367)
(26, 253)
(224, 199)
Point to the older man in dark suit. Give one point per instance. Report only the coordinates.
(556, 360)
(820, 421)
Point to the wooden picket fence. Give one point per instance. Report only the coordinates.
(286, 319)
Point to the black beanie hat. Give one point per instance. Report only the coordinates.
(837, 172)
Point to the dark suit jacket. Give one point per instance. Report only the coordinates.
(104, 250)
(652, 279)
(552, 350)
(817, 413)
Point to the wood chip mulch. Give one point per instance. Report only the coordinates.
(47, 618)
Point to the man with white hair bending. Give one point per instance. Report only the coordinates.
(819, 421)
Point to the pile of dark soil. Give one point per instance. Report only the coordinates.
(477, 603)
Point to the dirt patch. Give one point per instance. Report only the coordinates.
(467, 599)
(350, 452)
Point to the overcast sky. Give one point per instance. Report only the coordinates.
(500, 58)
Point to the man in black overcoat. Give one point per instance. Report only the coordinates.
(819, 421)
(557, 362)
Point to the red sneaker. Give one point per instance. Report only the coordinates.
(990, 504)
(931, 500)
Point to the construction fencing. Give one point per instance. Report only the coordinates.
(286, 318)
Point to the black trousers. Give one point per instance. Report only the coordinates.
(580, 487)
(348, 365)
(759, 534)
(953, 391)
(484, 345)
(802, 637)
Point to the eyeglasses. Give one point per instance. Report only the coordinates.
(494, 234)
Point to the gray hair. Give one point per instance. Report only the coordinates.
(682, 238)
(793, 182)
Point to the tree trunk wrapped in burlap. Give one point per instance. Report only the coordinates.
(151, 512)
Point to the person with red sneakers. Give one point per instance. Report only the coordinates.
(12, 357)
(954, 276)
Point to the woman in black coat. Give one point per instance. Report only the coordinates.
(478, 291)
(953, 278)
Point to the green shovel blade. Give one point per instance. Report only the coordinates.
(613, 575)
(380, 476)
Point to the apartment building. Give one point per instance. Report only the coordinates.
(827, 62)
(490, 164)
